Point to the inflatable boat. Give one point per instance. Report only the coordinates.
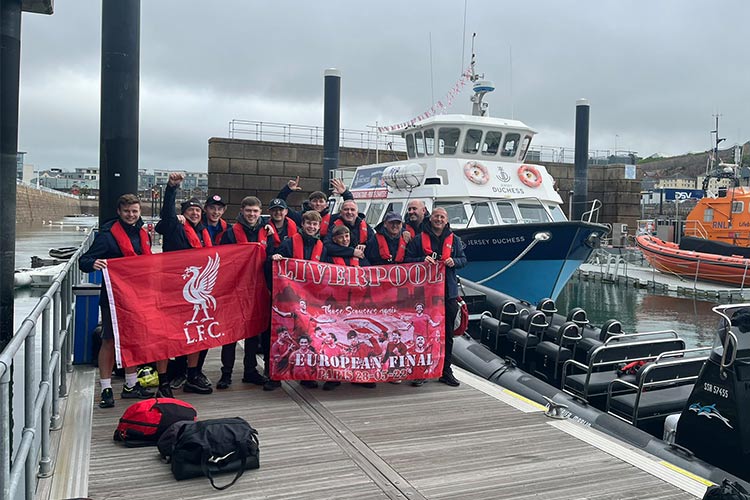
(688, 406)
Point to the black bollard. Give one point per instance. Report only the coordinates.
(580, 184)
(10, 60)
(331, 124)
(118, 153)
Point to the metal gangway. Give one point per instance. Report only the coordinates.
(43, 380)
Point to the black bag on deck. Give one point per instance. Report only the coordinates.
(216, 446)
(144, 422)
(728, 490)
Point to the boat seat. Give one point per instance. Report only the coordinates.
(552, 354)
(660, 388)
(590, 379)
(492, 332)
(595, 338)
(527, 338)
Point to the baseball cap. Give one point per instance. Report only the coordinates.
(215, 200)
(192, 202)
(277, 203)
(392, 216)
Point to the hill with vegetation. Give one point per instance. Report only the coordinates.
(687, 165)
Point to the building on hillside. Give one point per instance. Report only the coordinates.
(676, 182)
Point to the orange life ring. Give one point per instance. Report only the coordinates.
(529, 175)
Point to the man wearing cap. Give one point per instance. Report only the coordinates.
(248, 228)
(360, 233)
(282, 225)
(390, 242)
(213, 211)
(317, 201)
(437, 243)
(179, 235)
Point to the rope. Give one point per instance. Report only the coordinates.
(542, 236)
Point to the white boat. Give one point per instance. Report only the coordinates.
(22, 277)
(507, 212)
(44, 276)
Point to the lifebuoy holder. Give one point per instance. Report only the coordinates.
(530, 175)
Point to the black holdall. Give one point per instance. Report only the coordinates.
(210, 447)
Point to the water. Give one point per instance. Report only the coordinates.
(641, 311)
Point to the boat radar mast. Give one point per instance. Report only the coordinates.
(480, 88)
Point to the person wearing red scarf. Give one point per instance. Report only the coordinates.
(213, 211)
(183, 233)
(390, 242)
(437, 243)
(121, 237)
(249, 227)
(317, 201)
(360, 233)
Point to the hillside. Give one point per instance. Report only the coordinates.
(688, 165)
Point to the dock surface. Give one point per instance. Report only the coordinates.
(391, 442)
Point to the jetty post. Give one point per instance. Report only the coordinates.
(580, 183)
(331, 124)
(118, 140)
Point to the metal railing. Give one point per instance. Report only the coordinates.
(305, 134)
(41, 410)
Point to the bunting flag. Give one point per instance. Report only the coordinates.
(175, 303)
(357, 324)
(437, 108)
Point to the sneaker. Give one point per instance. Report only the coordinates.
(198, 386)
(418, 382)
(107, 399)
(224, 382)
(331, 385)
(270, 385)
(164, 391)
(136, 392)
(366, 385)
(449, 379)
(203, 379)
(310, 384)
(395, 382)
(254, 378)
(178, 381)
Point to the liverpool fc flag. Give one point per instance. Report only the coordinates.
(175, 303)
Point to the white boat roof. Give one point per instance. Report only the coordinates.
(466, 120)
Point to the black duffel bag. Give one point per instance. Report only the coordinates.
(216, 446)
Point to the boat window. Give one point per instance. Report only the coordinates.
(491, 143)
(410, 146)
(507, 215)
(472, 141)
(510, 146)
(456, 211)
(708, 215)
(419, 143)
(532, 213)
(524, 147)
(374, 212)
(738, 207)
(429, 141)
(396, 206)
(447, 140)
(557, 214)
(482, 214)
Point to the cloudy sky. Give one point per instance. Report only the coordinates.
(654, 71)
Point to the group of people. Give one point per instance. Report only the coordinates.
(313, 234)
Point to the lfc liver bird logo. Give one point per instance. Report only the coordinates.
(198, 289)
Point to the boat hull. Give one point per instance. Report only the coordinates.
(670, 259)
(543, 271)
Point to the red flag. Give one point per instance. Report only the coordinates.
(175, 303)
(357, 324)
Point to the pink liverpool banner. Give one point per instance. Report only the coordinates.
(175, 303)
(357, 324)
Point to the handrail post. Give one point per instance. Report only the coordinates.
(29, 393)
(5, 432)
(45, 464)
(56, 392)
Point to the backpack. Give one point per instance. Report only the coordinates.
(145, 421)
(728, 490)
(210, 447)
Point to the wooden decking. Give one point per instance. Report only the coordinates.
(395, 441)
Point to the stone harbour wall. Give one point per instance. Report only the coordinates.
(34, 205)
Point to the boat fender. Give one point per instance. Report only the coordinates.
(530, 176)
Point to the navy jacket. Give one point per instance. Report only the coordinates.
(415, 253)
(174, 232)
(372, 252)
(308, 243)
(335, 250)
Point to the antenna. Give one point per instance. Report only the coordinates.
(463, 38)
(512, 110)
(432, 75)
